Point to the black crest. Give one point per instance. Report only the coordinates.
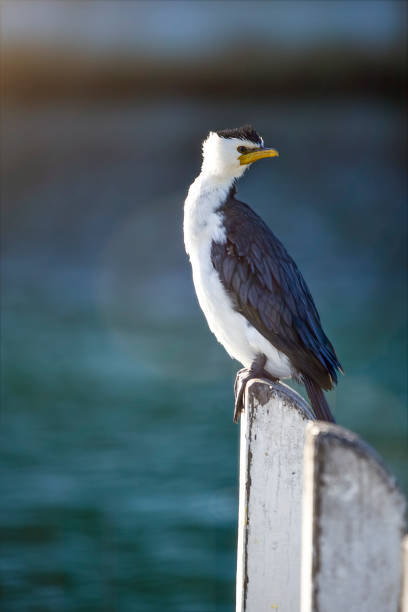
(246, 132)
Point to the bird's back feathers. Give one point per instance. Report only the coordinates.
(268, 289)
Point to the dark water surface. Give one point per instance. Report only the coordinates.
(120, 458)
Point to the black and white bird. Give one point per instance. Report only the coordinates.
(252, 293)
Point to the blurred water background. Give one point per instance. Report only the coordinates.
(119, 455)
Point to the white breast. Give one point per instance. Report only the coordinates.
(202, 226)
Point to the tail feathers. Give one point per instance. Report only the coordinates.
(318, 401)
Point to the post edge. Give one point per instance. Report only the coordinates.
(404, 574)
(308, 518)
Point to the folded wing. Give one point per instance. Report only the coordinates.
(269, 291)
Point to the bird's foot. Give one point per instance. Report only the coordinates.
(242, 379)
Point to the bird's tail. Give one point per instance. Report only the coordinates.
(318, 401)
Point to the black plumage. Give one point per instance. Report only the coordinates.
(246, 132)
(267, 288)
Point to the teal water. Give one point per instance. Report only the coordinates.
(119, 456)
(118, 480)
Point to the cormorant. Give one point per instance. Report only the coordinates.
(252, 293)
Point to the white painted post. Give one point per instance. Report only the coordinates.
(404, 581)
(353, 522)
(270, 498)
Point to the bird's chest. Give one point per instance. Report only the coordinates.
(228, 326)
(203, 224)
(200, 233)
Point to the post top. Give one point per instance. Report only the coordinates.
(263, 391)
(327, 436)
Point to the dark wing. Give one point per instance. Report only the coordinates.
(269, 291)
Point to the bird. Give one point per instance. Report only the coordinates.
(249, 288)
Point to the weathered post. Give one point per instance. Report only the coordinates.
(404, 582)
(270, 498)
(353, 523)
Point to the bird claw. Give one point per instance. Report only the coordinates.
(241, 379)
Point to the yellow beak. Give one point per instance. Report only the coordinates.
(253, 156)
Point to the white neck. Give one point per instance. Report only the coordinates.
(209, 191)
(205, 196)
(221, 173)
(215, 182)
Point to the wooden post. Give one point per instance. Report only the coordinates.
(270, 498)
(353, 522)
(404, 581)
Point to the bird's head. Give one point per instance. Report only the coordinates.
(228, 153)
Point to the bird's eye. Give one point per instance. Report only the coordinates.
(242, 149)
